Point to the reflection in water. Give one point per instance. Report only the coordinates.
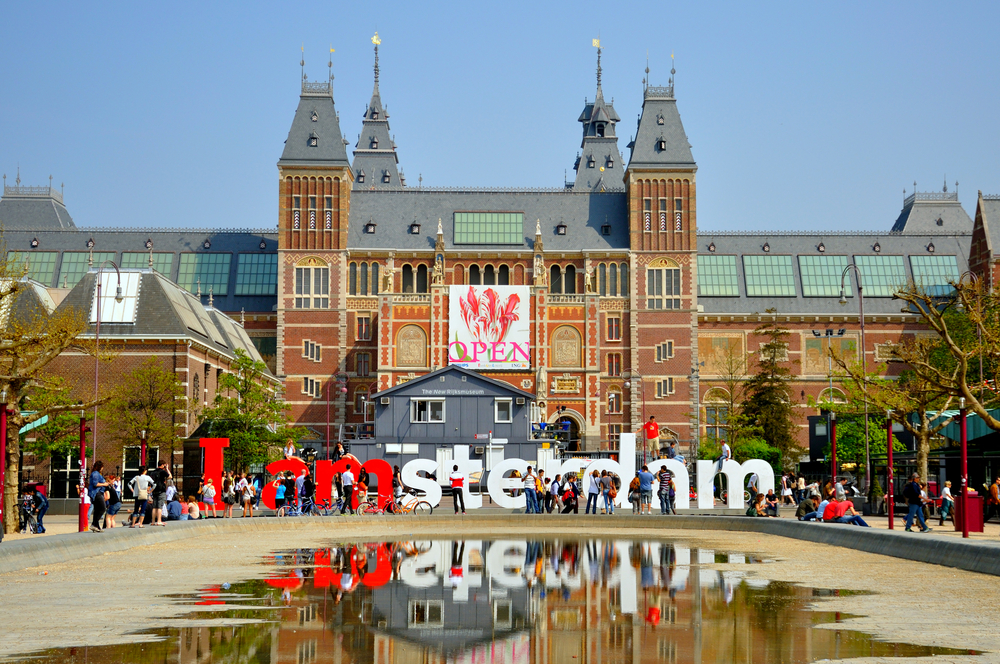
(505, 602)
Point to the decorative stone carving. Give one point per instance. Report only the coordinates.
(566, 347)
(538, 271)
(411, 347)
(526, 384)
(565, 384)
(438, 276)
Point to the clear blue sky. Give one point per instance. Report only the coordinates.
(801, 115)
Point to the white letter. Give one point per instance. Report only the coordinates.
(497, 483)
(467, 467)
(425, 484)
(682, 482)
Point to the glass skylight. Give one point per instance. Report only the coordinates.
(111, 310)
(717, 276)
(768, 276)
(881, 276)
(934, 274)
(821, 276)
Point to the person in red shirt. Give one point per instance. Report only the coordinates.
(842, 511)
(652, 429)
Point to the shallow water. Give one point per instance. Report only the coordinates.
(502, 602)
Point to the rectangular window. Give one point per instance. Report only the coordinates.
(881, 276)
(678, 204)
(312, 351)
(75, 264)
(427, 410)
(257, 274)
(664, 351)
(489, 228)
(663, 288)
(312, 287)
(769, 276)
(934, 274)
(647, 215)
(614, 328)
(716, 421)
(821, 276)
(364, 328)
(204, 271)
(717, 276)
(663, 214)
(614, 364)
(41, 264)
(312, 387)
(502, 410)
(138, 260)
(426, 613)
(614, 402)
(614, 435)
(363, 363)
(664, 387)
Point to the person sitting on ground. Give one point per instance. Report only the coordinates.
(758, 507)
(175, 511)
(771, 503)
(193, 511)
(818, 514)
(805, 507)
(842, 511)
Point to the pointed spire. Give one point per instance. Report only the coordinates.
(597, 45)
(243, 316)
(199, 288)
(376, 40)
(302, 61)
(211, 300)
(329, 66)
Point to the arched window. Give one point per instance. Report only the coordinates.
(459, 273)
(421, 278)
(614, 401)
(360, 400)
(489, 276)
(569, 280)
(602, 279)
(474, 275)
(375, 284)
(407, 278)
(600, 130)
(613, 279)
(364, 278)
(503, 276)
(555, 280)
(352, 279)
(837, 396)
(624, 280)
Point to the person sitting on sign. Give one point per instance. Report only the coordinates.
(290, 451)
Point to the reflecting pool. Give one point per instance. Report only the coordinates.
(544, 601)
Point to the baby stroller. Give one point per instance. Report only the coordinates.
(29, 524)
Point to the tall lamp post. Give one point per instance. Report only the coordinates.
(831, 424)
(864, 359)
(3, 456)
(890, 499)
(974, 278)
(97, 336)
(965, 467)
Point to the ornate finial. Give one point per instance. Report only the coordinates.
(329, 64)
(538, 226)
(672, 70)
(597, 45)
(50, 183)
(440, 230)
(90, 257)
(376, 40)
(62, 188)
(420, 179)
(18, 180)
(211, 300)
(302, 62)
(956, 187)
(945, 188)
(243, 315)
(199, 289)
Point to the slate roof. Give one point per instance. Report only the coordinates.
(608, 170)
(584, 213)
(371, 164)
(835, 244)
(660, 119)
(316, 102)
(33, 208)
(989, 207)
(175, 241)
(166, 311)
(453, 368)
(933, 212)
(30, 300)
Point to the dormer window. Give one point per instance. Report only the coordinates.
(374, 115)
(606, 229)
(314, 117)
(374, 143)
(313, 140)
(591, 163)
(659, 118)
(661, 144)
(611, 163)
(561, 229)
(370, 228)
(361, 176)
(415, 228)
(600, 130)
(386, 177)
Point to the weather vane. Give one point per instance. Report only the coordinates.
(376, 39)
(597, 43)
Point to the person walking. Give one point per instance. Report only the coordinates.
(947, 504)
(114, 500)
(663, 478)
(457, 480)
(915, 504)
(607, 486)
(555, 491)
(96, 490)
(160, 476)
(347, 477)
(646, 490)
(140, 485)
(593, 490)
(531, 492)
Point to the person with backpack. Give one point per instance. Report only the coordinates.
(633, 494)
(457, 480)
(555, 492)
(96, 489)
(915, 504)
(114, 494)
(159, 477)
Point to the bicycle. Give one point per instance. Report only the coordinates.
(409, 504)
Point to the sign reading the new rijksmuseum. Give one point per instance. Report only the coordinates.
(489, 327)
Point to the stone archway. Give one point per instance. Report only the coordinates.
(577, 428)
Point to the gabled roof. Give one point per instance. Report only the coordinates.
(164, 310)
(315, 116)
(33, 208)
(989, 211)
(600, 166)
(452, 368)
(660, 122)
(932, 212)
(375, 152)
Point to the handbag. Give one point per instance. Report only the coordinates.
(142, 495)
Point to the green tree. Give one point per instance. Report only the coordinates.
(249, 411)
(148, 399)
(767, 400)
(60, 435)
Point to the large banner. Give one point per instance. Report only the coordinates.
(489, 327)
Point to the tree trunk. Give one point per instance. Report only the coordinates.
(11, 518)
(923, 449)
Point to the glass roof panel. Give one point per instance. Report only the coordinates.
(821, 276)
(934, 274)
(769, 276)
(881, 276)
(717, 276)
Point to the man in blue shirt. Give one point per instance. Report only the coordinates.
(645, 490)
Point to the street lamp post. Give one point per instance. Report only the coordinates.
(97, 337)
(864, 359)
(833, 446)
(974, 278)
(82, 521)
(3, 456)
(890, 500)
(965, 468)
(831, 416)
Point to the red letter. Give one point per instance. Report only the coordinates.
(213, 464)
(266, 490)
(382, 472)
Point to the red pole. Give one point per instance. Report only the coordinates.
(833, 446)
(965, 470)
(83, 471)
(142, 461)
(3, 460)
(888, 472)
(327, 420)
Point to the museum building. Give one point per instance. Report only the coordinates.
(599, 299)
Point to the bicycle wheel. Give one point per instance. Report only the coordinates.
(422, 507)
(368, 507)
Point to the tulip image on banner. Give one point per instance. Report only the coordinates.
(489, 327)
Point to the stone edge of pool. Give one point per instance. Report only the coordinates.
(972, 556)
